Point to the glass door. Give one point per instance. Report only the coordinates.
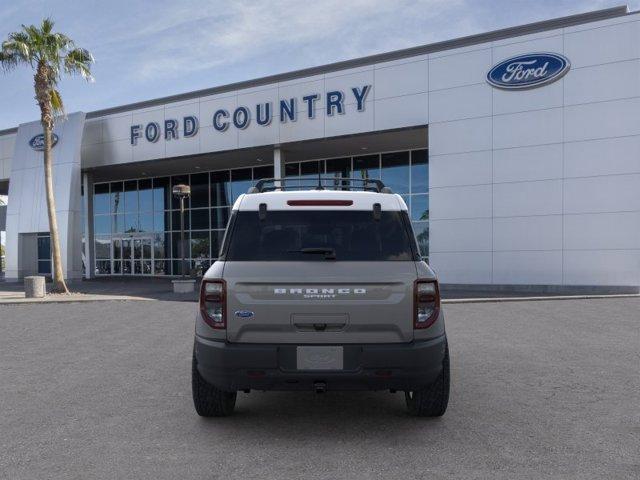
(132, 255)
(142, 256)
(127, 256)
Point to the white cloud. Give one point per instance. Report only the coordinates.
(201, 35)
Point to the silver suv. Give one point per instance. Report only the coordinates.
(319, 290)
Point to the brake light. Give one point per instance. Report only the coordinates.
(319, 203)
(426, 303)
(213, 307)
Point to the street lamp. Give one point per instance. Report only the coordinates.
(182, 192)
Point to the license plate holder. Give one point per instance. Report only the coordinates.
(319, 357)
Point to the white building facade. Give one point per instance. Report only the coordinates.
(517, 151)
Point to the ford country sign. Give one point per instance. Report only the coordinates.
(528, 71)
(37, 142)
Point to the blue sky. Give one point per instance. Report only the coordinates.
(148, 49)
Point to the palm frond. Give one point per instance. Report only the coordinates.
(47, 25)
(8, 60)
(78, 61)
(56, 102)
(50, 54)
(16, 49)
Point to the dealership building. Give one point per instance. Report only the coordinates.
(517, 152)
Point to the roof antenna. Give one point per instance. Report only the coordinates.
(319, 187)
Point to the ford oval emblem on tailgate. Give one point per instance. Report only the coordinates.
(244, 313)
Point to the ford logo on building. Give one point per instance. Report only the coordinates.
(528, 71)
(37, 142)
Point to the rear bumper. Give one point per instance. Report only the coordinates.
(404, 366)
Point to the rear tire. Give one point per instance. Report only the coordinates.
(209, 400)
(432, 400)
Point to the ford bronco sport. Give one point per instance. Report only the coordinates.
(320, 290)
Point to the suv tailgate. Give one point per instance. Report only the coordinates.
(319, 302)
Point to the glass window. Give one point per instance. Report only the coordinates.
(126, 248)
(131, 196)
(44, 267)
(309, 173)
(262, 172)
(292, 171)
(102, 224)
(161, 267)
(200, 190)
(177, 267)
(338, 168)
(161, 221)
(201, 265)
(178, 180)
(421, 230)
(103, 267)
(131, 223)
(145, 195)
(220, 189)
(219, 217)
(146, 267)
(200, 219)
(117, 268)
(419, 171)
(103, 247)
(44, 247)
(240, 182)
(117, 223)
(161, 194)
(117, 197)
(175, 245)
(146, 222)
(367, 166)
(117, 249)
(101, 198)
(395, 171)
(176, 222)
(420, 207)
(299, 236)
(160, 245)
(216, 242)
(200, 245)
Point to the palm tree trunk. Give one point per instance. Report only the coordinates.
(43, 96)
(59, 285)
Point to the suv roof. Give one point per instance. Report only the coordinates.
(313, 200)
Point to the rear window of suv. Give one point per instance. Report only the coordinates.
(305, 235)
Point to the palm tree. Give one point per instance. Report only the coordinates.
(49, 54)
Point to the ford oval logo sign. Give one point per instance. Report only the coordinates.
(37, 142)
(244, 313)
(528, 71)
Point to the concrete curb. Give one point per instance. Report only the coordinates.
(537, 299)
(71, 299)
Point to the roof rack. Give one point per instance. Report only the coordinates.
(320, 183)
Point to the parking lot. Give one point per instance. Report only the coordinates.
(540, 389)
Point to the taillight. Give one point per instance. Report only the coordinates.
(212, 303)
(426, 303)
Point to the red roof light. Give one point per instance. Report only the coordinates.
(319, 203)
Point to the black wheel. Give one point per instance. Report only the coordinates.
(209, 400)
(432, 400)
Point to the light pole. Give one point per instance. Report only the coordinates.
(182, 192)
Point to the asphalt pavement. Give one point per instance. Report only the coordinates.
(540, 390)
